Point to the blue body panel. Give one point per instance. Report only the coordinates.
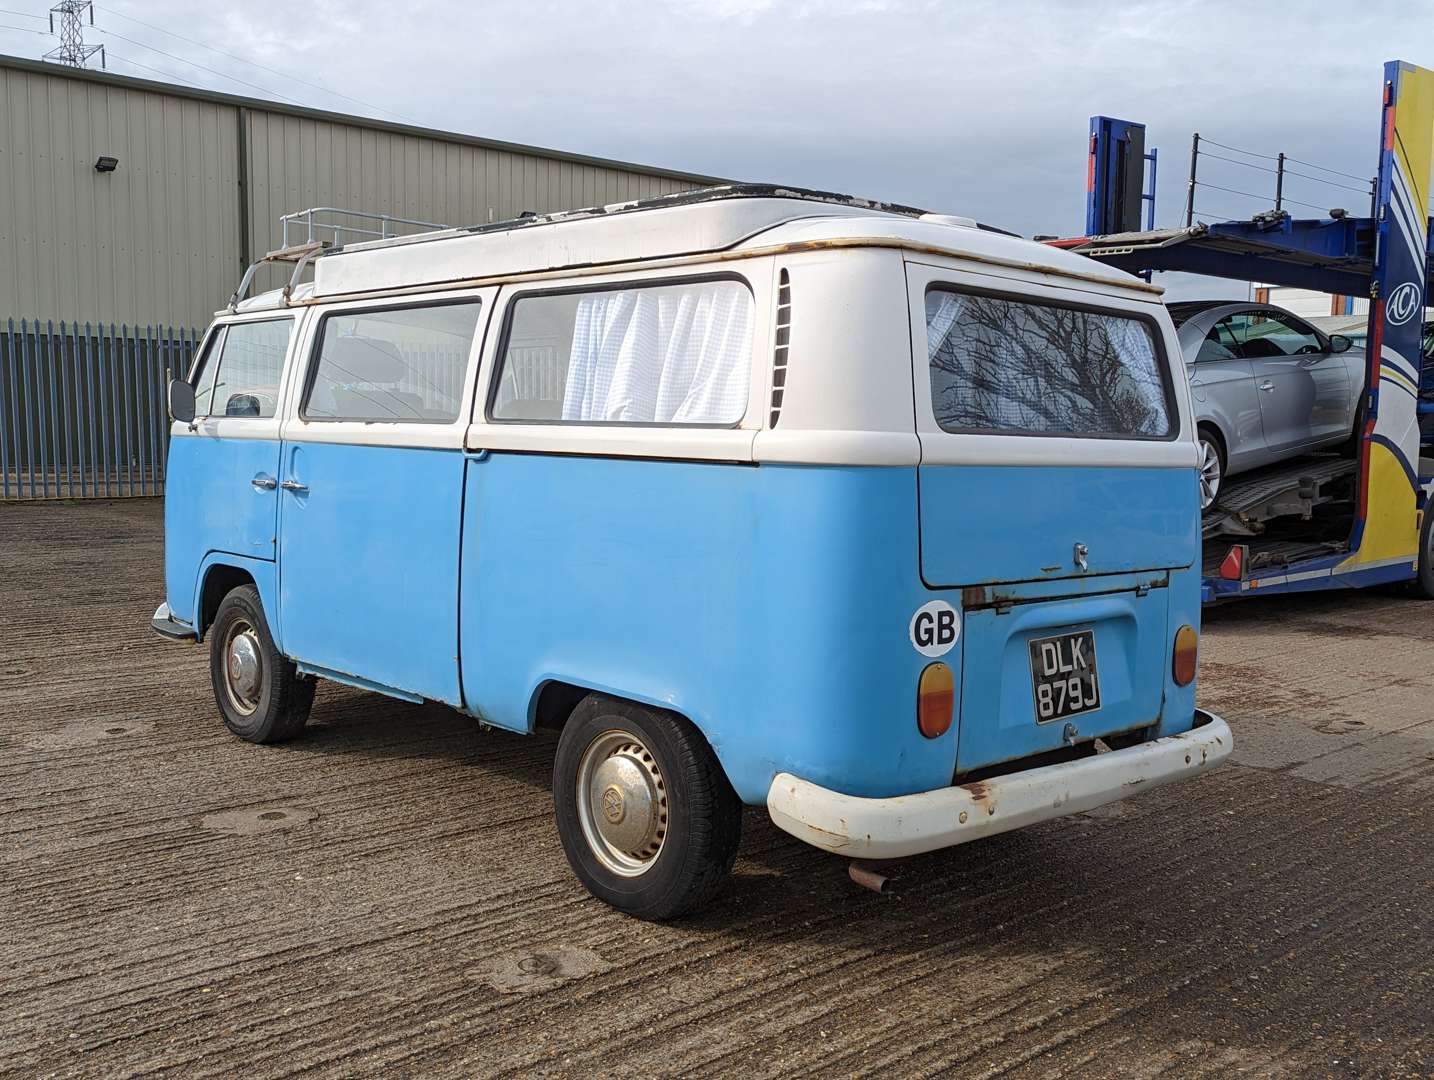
(997, 699)
(1130, 519)
(210, 506)
(1013, 530)
(1182, 608)
(369, 564)
(769, 604)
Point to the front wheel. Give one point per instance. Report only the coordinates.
(646, 816)
(260, 694)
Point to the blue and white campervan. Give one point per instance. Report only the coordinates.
(880, 519)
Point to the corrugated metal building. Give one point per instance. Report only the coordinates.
(108, 277)
(203, 177)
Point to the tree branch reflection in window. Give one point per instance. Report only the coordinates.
(1005, 365)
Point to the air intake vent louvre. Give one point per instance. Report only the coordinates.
(784, 332)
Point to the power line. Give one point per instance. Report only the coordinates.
(254, 63)
(24, 29)
(23, 15)
(201, 67)
(146, 67)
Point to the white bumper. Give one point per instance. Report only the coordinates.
(909, 824)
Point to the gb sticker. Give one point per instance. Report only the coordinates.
(935, 628)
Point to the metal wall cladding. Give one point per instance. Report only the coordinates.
(157, 240)
(297, 162)
(164, 238)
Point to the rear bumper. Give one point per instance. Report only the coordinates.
(167, 626)
(910, 824)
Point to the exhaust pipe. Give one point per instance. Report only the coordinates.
(865, 875)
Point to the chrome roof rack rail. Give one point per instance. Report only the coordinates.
(314, 224)
(309, 233)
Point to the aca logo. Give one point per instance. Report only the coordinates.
(1403, 302)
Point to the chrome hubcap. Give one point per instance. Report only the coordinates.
(243, 669)
(1209, 474)
(622, 803)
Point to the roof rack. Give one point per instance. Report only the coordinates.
(309, 234)
(313, 226)
(298, 254)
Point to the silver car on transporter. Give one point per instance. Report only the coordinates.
(1267, 386)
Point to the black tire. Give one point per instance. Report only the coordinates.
(1424, 581)
(697, 818)
(277, 706)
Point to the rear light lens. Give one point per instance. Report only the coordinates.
(1187, 648)
(1233, 566)
(935, 700)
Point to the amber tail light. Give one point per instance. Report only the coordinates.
(935, 700)
(1187, 648)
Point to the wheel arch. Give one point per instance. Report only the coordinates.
(555, 698)
(221, 572)
(1211, 424)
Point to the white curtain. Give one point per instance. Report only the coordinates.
(672, 355)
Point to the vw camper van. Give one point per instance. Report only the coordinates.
(881, 520)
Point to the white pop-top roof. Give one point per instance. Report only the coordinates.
(724, 219)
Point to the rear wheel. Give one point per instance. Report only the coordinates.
(259, 692)
(1212, 467)
(645, 814)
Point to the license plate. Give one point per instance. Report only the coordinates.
(1063, 675)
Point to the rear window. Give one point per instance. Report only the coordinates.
(1014, 366)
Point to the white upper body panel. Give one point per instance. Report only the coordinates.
(615, 235)
(677, 227)
(855, 273)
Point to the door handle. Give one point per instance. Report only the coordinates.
(296, 487)
(263, 483)
(1267, 386)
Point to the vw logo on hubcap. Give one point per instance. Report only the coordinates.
(612, 807)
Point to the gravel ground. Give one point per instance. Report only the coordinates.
(387, 894)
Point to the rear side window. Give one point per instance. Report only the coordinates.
(1022, 367)
(644, 354)
(239, 373)
(391, 365)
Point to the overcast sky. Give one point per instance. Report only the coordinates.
(972, 107)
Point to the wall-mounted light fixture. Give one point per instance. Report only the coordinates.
(106, 163)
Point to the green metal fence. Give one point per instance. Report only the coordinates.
(82, 408)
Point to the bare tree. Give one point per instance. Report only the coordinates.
(1001, 364)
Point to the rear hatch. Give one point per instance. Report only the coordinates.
(1058, 493)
